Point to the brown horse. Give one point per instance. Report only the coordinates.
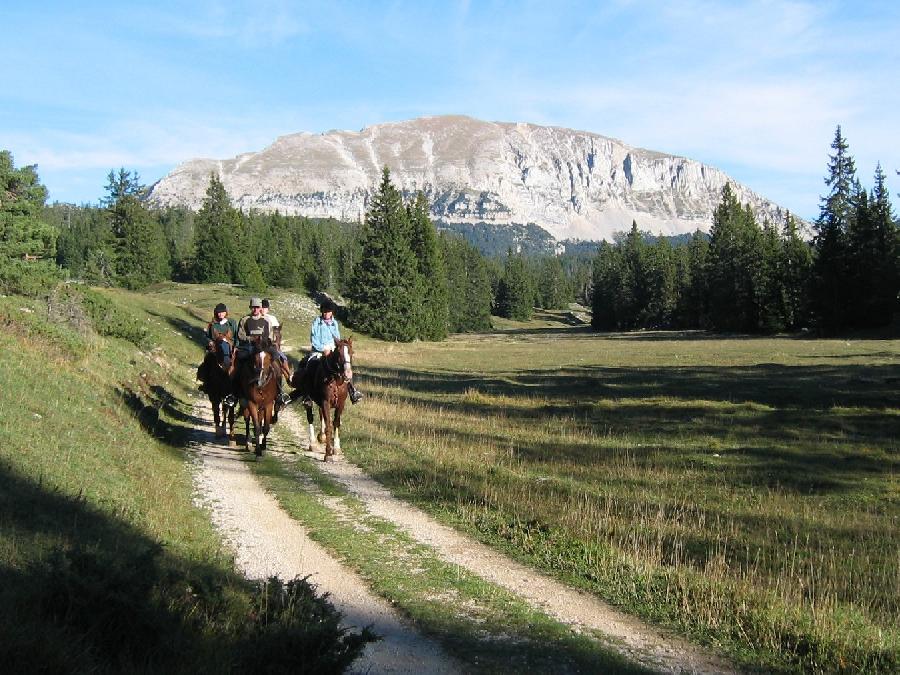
(217, 385)
(258, 379)
(325, 381)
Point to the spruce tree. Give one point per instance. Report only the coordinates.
(607, 286)
(693, 294)
(831, 267)
(515, 294)
(431, 268)
(140, 254)
(27, 242)
(386, 288)
(216, 227)
(733, 258)
(552, 289)
(796, 265)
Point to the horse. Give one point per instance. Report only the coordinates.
(325, 381)
(217, 385)
(258, 378)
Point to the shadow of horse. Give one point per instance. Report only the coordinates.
(258, 379)
(217, 385)
(325, 381)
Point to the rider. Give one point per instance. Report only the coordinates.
(221, 329)
(323, 334)
(275, 333)
(252, 329)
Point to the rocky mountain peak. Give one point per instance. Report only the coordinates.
(573, 184)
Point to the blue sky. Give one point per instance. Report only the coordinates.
(754, 88)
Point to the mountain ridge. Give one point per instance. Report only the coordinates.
(573, 184)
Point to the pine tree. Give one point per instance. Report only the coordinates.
(215, 228)
(796, 265)
(142, 257)
(733, 257)
(831, 267)
(27, 242)
(693, 294)
(430, 259)
(872, 275)
(607, 285)
(552, 288)
(386, 288)
(660, 274)
(515, 294)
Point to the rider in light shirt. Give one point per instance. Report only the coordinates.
(323, 334)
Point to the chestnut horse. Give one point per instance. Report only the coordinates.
(217, 385)
(258, 379)
(325, 380)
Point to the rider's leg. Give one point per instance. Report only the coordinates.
(226, 354)
(355, 395)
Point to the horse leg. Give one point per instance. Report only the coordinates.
(247, 427)
(230, 416)
(336, 424)
(329, 434)
(216, 418)
(311, 427)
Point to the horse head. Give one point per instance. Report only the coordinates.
(263, 367)
(344, 360)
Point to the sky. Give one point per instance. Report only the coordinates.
(756, 89)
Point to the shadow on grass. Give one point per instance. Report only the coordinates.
(83, 591)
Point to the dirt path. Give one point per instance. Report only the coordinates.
(267, 542)
(637, 640)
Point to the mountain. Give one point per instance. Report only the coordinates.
(573, 184)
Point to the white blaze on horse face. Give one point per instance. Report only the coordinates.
(348, 370)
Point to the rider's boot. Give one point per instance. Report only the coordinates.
(355, 395)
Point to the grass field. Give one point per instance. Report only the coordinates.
(744, 490)
(106, 565)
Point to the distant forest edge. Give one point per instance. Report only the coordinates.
(407, 277)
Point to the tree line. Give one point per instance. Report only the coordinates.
(406, 280)
(757, 278)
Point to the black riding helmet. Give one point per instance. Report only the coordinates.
(220, 308)
(327, 306)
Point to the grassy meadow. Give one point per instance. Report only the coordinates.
(106, 563)
(743, 490)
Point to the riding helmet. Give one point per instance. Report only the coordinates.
(265, 302)
(327, 306)
(220, 308)
(255, 302)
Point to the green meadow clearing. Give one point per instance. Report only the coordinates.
(741, 490)
(744, 490)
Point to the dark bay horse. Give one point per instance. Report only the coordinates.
(258, 378)
(217, 385)
(325, 380)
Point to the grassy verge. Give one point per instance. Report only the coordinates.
(105, 563)
(486, 627)
(744, 491)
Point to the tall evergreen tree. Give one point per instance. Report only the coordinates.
(386, 288)
(796, 265)
(734, 254)
(27, 242)
(215, 228)
(553, 290)
(431, 269)
(515, 293)
(607, 286)
(831, 267)
(141, 256)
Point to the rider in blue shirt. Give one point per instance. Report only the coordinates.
(323, 335)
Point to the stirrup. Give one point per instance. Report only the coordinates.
(356, 396)
(229, 400)
(284, 399)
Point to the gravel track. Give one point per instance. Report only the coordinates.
(266, 542)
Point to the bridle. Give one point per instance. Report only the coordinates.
(338, 362)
